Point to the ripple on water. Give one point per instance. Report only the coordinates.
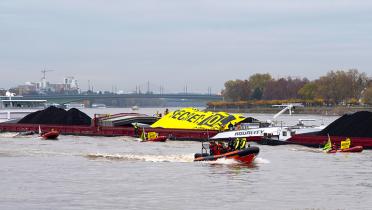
(6, 154)
(365, 184)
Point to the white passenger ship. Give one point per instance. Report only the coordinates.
(15, 107)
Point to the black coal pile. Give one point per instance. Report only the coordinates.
(57, 116)
(358, 124)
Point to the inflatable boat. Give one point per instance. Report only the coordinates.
(158, 139)
(351, 149)
(51, 135)
(244, 156)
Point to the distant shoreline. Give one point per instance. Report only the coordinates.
(322, 110)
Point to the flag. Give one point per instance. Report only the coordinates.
(143, 135)
(152, 135)
(328, 145)
(345, 144)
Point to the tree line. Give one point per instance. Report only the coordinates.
(336, 87)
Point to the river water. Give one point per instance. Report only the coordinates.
(123, 173)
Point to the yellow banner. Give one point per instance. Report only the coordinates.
(346, 144)
(152, 135)
(191, 118)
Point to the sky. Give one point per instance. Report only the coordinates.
(173, 44)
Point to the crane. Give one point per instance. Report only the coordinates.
(45, 71)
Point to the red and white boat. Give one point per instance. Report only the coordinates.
(270, 132)
(245, 156)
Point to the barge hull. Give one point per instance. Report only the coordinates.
(172, 134)
(320, 141)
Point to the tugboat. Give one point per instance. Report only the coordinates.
(245, 155)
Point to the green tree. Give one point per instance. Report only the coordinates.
(308, 91)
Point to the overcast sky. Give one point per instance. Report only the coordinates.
(173, 43)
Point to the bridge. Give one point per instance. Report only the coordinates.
(121, 98)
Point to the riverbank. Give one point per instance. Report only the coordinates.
(314, 110)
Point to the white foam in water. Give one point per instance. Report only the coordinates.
(225, 161)
(261, 161)
(167, 158)
(8, 135)
(149, 158)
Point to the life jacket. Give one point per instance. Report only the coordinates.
(219, 149)
(236, 143)
(243, 142)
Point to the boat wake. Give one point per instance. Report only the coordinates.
(166, 158)
(227, 161)
(261, 161)
(303, 149)
(8, 135)
(224, 161)
(147, 158)
(27, 152)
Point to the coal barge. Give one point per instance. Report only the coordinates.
(74, 122)
(172, 134)
(356, 126)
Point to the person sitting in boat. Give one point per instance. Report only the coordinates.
(221, 147)
(334, 146)
(136, 129)
(166, 111)
(236, 144)
(212, 148)
(157, 114)
(243, 143)
(230, 145)
(231, 126)
(218, 149)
